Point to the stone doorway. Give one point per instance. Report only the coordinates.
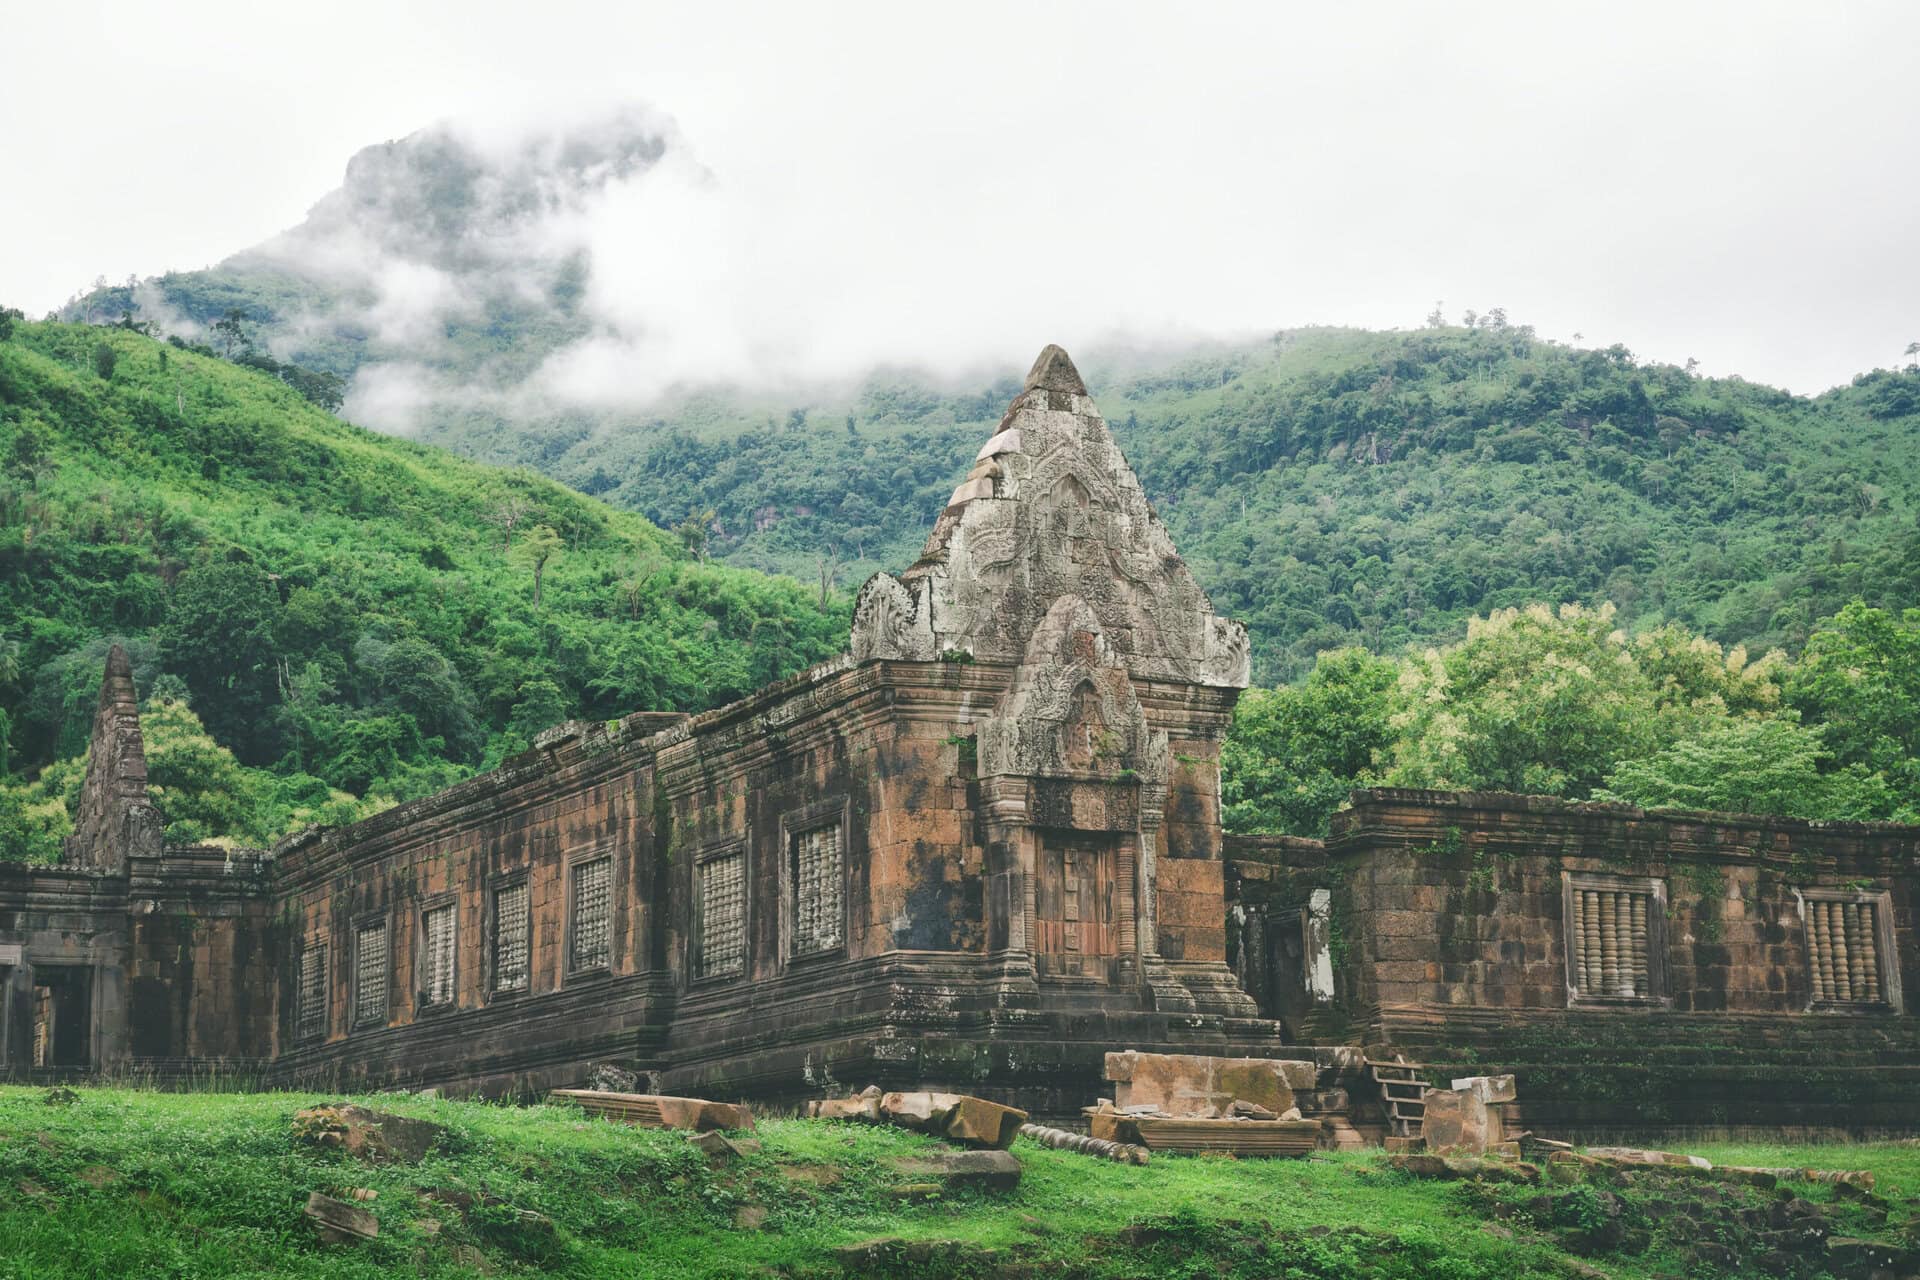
(1075, 933)
(62, 1016)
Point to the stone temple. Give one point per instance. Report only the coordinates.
(979, 851)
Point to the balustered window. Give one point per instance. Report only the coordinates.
(370, 974)
(720, 913)
(817, 871)
(1615, 939)
(437, 929)
(590, 944)
(310, 1000)
(512, 938)
(1848, 944)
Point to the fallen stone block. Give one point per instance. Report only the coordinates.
(1642, 1155)
(718, 1149)
(925, 1112)
(338, 1222)
(365, 1134)
(658, 1111)
(1488, 1089)
(979, 1123)
(1197, 1085)
(855, 1108)
(955, 1170)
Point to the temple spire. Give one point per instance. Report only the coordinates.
(1054, 371)
(114, 818)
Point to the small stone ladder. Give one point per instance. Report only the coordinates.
(1401, 1094)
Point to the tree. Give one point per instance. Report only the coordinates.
(1436, 318)
(219, 637)
(1773, 765)
(505, 514)
(692, 532)
(104, 359)
(537, 550)
(9, 316)
(1912, 353)
(1295, 752)
(229, 331)
(1860, 677)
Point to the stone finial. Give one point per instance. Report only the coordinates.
(1054, 371)
(114, 818)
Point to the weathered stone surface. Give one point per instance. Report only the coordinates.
(1461, 1120)
(979, 1123)
(1642, 1155)
(716, 1147)
(1052, 513)
(365, 1134)
(338, 1222)
(1197, 1085)
(855, 1108)
(1488, 1089)
(659, 1111)
(114, 820)
(925, 1112)
(990, 1170)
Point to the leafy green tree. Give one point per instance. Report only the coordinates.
(9, 316)
(537, 551)
(1860, 678)
(219, 637)
(1295, 752)
(1774, 765)
(104, 359)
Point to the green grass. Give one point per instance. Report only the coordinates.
(127, 1183)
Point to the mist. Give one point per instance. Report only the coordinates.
(764, 199)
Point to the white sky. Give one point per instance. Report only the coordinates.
(1735, 182)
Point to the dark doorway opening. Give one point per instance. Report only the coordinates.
(62, 1016)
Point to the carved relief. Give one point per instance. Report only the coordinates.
(1072, 711)
(891, 621)
(1066, 517)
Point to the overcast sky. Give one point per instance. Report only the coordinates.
(1733, 182)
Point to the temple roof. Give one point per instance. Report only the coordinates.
(1051, 509)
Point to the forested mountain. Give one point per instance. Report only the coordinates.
(353, 619)
(1329, 486)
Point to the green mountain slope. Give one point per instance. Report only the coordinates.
(1329, 486)
(1337, 487)
(336, 606)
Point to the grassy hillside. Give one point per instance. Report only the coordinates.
(359, 615)
(135, 1185)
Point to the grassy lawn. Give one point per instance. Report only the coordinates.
(125, 1183)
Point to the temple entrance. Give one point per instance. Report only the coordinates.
(62, 1016)
(1073, 909)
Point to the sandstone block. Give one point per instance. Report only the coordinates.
(980, 1123)
(974, 1170)
(927, 1112)
(338, 1222)
(1197, 1085)
(365, 1134)
(856, 1108)
(1489, 1088)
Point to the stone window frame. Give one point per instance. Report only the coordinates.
(799, 822)
(496, 885)
(1881, 900)
(323, 1024)
(424, 1005)
(731, 847)
(574, 863)
(1659, 995)
(357, 1018)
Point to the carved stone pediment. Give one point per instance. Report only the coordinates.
(1050, 510)
(1071, 711)
(893, 620)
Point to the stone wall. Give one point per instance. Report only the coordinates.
(1457, 934)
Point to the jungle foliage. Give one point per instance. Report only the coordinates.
(327, 619)
(1565, 703)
